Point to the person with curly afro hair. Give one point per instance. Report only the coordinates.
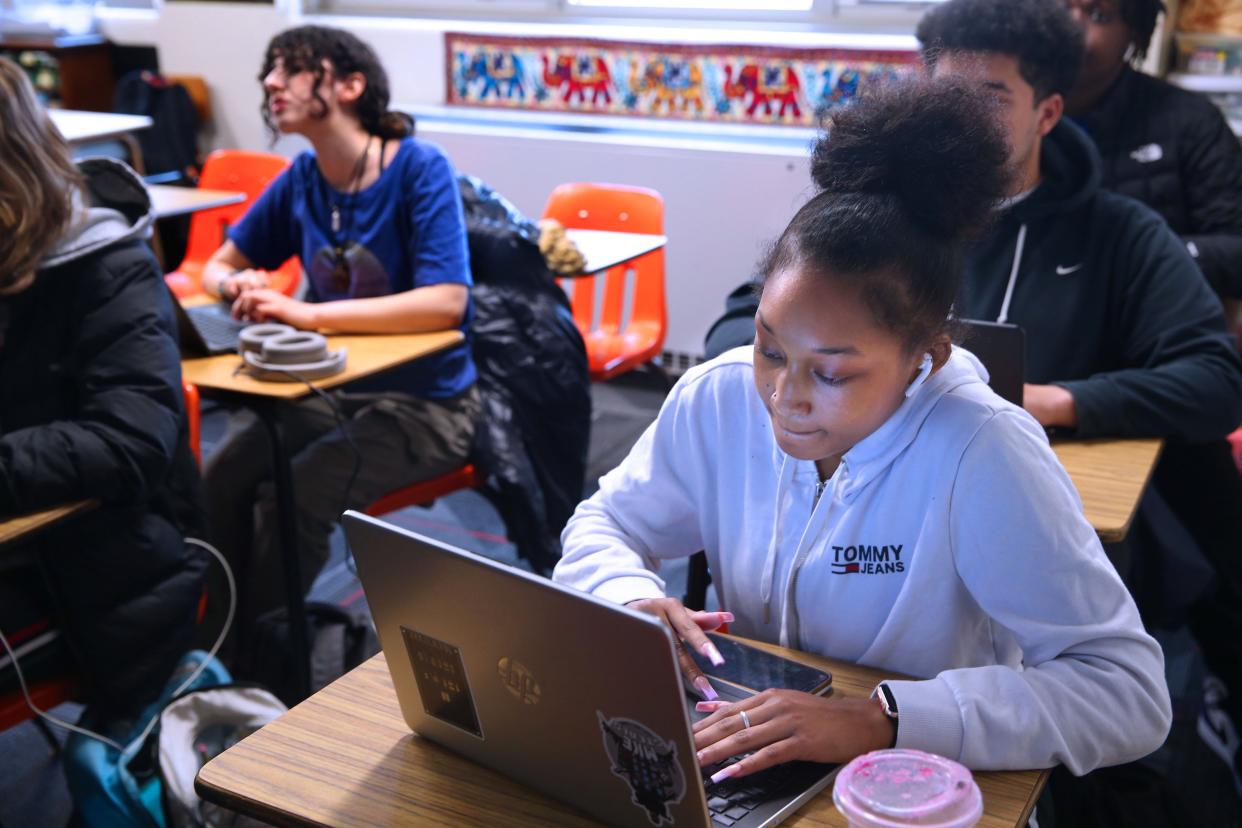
(861, 493)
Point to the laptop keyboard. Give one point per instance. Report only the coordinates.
(217, 328)
(731, 800)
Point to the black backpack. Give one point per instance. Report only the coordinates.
(736, 326)
(171, 144)
(339, 641)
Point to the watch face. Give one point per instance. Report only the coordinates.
(887, 700)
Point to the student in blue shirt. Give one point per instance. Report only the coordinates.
(376, 218)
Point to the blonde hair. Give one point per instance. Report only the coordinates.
(37, 181)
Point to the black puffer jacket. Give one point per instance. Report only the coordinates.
(91, 406)
(1173, 150)
(531, 440)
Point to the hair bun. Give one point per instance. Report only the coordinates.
(395, 124)
(936, 146)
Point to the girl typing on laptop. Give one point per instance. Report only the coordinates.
(862, 494)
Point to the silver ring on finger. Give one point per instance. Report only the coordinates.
(745, 719)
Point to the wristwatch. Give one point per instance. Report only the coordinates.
(888, 703)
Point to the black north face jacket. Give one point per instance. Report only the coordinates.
(1113, 306)
(91, 406)
(1173, 150)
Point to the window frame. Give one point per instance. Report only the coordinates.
(835, 16)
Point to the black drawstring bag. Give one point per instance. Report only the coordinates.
(339, 641)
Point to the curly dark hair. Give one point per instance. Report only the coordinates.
(1141, 16)
(907, 175)
(1039, 33)
(305, 48)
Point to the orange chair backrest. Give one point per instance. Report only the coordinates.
(627, 209)
(195, 420)
(247, 172)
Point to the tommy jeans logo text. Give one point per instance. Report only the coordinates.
(867, 560)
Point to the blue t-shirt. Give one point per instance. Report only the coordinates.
(406, 230)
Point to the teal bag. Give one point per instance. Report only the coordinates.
(110, 789)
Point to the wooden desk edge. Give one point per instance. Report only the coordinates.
(1114, 534)
(32, 523)
(1151, 469)
(216, 795)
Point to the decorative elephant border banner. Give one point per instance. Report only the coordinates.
(723, 84)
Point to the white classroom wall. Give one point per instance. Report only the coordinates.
(722, 205)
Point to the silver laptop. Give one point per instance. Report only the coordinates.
(574, 696)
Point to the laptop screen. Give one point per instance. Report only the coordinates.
(1001, 348)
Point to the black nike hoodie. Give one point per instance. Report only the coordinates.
(1114, 308)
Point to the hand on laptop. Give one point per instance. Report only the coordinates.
(778, 726)
(268, 305)
(233, 285)
(689, 627)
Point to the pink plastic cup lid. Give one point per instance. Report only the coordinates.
(899, 788)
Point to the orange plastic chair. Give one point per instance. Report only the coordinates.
(614, 344)
(425, 491)
(195, 418)
(249, 172)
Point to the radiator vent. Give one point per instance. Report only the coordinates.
(679, 362)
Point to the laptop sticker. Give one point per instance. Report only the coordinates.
(519, 681)
(646, 763)
(442, 682)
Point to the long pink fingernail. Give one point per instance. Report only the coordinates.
(724, 773)
(705, 687)
(712, 654)
(708, 706)
(726, 617)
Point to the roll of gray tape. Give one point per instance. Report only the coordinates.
(332, 363)
(253, 336)
(298, 347)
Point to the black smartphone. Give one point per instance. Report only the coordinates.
(756, 669)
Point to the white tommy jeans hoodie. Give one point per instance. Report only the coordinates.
(949, 545)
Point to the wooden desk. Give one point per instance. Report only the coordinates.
(345, 757)
(603, 249)
(366, 355)
(171, 201)
(1110, 476)
(86, 127)
(18, 527)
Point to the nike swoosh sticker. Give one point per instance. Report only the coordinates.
(1062, 270)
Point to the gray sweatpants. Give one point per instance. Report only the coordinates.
(399, 440)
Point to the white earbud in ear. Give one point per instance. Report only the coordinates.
(924, 372)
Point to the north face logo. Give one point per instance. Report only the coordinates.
(1148, 153)
(867, 560)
